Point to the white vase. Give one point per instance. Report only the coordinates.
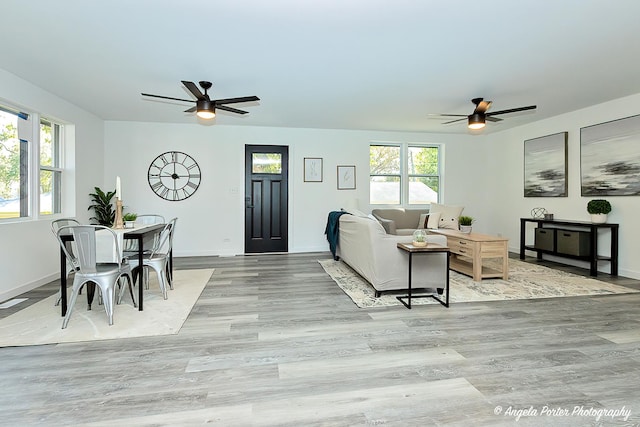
(598, 218)
(465, 229)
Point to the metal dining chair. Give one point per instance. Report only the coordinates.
(157, 259)
(131, 246)
(55, 226)
(105, 275)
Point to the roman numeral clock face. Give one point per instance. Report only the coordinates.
(174, 176)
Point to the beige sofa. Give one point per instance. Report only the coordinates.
(365, 246)
(399, 221)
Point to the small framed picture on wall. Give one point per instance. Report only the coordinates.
(312, 169)
(346, 177)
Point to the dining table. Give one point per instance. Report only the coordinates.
(144, 236)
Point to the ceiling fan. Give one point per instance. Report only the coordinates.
(479, 117)
(205, 107)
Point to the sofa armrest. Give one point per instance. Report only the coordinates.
(389, 225)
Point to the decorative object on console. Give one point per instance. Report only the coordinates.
(598, 208)
(538, 213)
(608, 158)
(174, 176)
(548, 216)
(465, 223)
(419, 238)
(545, 166)
(104, 214)
(312, 169)
(448, 215)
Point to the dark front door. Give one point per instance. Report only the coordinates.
(266, 198)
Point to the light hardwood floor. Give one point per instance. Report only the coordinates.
(273, 341)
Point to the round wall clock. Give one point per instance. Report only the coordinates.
(174, 175)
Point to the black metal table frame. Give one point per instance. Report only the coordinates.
(592, 228)
(137, 235)
(410, 296)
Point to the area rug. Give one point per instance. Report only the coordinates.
(526, 281)
(41, 323)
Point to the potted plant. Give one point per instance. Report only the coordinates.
(129, 219)
(102, 207)
(465, 223)
(598, 208)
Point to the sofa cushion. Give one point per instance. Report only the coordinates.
(399, 220)
(448, 215)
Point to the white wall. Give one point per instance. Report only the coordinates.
(28, 251)
(211, 222)
(506, 182)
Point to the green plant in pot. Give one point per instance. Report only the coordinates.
(598, 208)
(129, 218)
(465, 223)
(104, 213)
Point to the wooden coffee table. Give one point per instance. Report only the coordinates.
(470, 250)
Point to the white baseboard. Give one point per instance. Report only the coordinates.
(11, 293)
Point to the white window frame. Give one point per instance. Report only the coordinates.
(404, 172)
(30, 131)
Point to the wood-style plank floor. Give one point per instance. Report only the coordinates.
(272, 341)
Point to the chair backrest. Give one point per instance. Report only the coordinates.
(164, 242)
(62, 222)
(148, 219)
(84, 237)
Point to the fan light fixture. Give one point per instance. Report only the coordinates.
(205, 109)
(476, 121)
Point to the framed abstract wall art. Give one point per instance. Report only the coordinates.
(346, 177)
(312, 169)
(610, 158)
(545, 166)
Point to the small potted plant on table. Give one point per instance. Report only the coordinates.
(129, 219)
(598, 208)
(465, 223)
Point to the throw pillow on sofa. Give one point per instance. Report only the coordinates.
(448, 215)
(429, 220)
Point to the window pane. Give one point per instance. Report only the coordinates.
(384, 190)
(10, 166)
(423, 161)
(49, 140)
(49, 192)
(384, 160)
(423, 190)
(266, 163)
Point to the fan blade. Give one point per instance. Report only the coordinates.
(236, 100)
(193, 89)
(492, 119)
(482, 107)
(232, 110)
(447, 115)
(457, 120)
(512, 110)
(191, 110)
(167, 97)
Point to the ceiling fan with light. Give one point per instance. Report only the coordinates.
(479, 117)
(206, 107)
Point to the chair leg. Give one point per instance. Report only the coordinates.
(109, 299)
(72, 303)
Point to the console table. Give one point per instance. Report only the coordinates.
(589, 228)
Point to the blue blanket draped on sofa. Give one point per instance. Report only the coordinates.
(332, 230)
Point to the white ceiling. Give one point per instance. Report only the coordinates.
(342, 64)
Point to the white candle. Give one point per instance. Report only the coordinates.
(118, 189)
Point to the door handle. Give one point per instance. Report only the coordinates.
(248, 202)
